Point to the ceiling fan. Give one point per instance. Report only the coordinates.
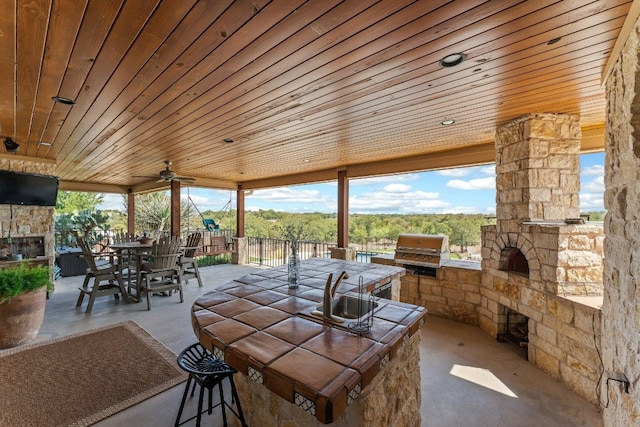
(168, 175)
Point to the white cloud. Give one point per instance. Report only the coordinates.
(595, 170)
(397, 188)
(473, 184)
(458, 172)
(387, 179)
(206, 199)
(488, 170)
(594, 186)
(591, 202)
(399, 200)
(112, 201)
(461, 172)
(290, 195)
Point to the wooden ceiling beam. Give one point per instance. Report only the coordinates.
(623, 35)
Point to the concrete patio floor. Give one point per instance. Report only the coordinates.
(468, 378)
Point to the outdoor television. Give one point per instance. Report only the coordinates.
(19, 188)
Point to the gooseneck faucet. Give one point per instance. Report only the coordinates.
(330, 293)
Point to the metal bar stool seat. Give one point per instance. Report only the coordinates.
(208, 371)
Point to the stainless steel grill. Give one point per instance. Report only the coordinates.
(423, 250)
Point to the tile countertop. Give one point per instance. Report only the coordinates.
(265, 330)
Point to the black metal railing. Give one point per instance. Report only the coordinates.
(275, 252)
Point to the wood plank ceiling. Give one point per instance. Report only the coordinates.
(303, 88)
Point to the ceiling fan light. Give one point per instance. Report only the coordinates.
(10, 145)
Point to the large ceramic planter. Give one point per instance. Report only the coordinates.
(21, 318)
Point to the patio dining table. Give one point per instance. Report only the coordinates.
(134, 250)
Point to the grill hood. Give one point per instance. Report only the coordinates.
(424, 250)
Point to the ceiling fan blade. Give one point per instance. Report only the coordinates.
(184, 179)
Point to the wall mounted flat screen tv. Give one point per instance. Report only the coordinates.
(19, 188)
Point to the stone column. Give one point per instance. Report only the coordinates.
(621, 306)
(348, 254)
(241, 255)
(537, 170)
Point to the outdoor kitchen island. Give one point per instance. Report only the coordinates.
(299, 369)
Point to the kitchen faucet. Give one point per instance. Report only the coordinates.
(330, 293)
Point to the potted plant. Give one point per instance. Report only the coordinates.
(23, 293)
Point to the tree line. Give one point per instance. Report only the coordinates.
(153, 214)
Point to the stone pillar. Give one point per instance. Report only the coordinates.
(348, 254)
(241, 254)
(537, 170)
(621, 306)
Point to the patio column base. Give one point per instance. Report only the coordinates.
(241, 254)
(348, 254)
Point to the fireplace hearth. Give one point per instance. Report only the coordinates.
(516, 331)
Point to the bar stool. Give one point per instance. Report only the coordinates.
(208, 371)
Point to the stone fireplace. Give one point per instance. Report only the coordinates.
(540, 250)
(539, 260)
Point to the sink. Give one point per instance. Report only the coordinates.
(346, 307)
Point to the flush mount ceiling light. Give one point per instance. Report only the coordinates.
(45, 144)
(61, 100)
(10, 145)
(228, 140)
(447, 122)
(452, 60)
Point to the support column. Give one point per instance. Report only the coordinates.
(343, 251)
(241, 254)
(343, 209)
(175, 208)
(240, 212)
(621, 305)
(131, 213)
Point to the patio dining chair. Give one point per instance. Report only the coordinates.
(100, 269)
(128, 262)
(187, 262)
(159, 271)
(122, 237)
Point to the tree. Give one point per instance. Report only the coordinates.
(153, 212)
(72, 202)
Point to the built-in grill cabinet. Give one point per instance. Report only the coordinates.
(422, 250)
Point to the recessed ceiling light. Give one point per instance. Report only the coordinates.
(46, 144)
(10, 145)
(228, 140)
(306, 160)
(62, 100)
(452, 60)
(447, 122)
(554, 41)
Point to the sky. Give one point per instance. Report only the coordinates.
(462, 190)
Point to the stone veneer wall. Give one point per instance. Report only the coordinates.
(29, 221)
(621, 307)
(392, 399)
(453, 294)
(537, 170)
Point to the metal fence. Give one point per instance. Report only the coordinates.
(275, 252)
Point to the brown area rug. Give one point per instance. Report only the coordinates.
(83, 378)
